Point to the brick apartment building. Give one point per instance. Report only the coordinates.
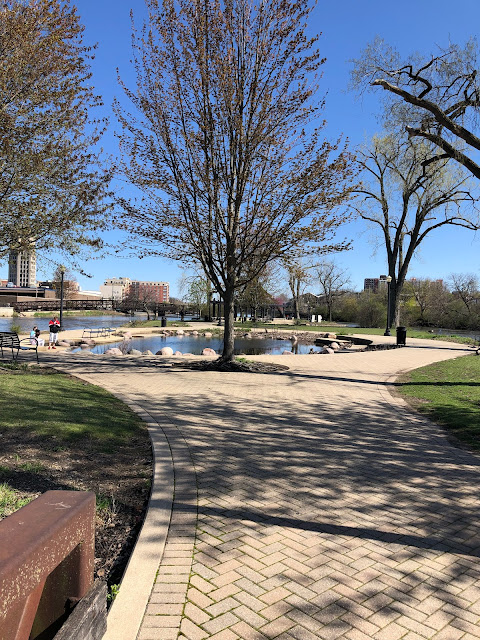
(150, 291)
(120, 288)
(375, 284)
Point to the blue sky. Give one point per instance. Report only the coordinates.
(346, 27)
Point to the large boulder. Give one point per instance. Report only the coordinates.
(180, 332)
(195, 333)
(287, 353)
(335, 346)
(147, 353)
(165, 351)
(207, 334)
(135, 352)
(178, 353)
(209, 352)
(113, 351)
(63, 343)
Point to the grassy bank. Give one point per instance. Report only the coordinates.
(58, 432)
(448, 393)
(155, 323)
(344, 331)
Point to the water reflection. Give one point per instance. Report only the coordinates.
(195, 345)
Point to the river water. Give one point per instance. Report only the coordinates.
(69, 322)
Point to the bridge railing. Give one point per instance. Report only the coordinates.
(52, 304)
(46, 563)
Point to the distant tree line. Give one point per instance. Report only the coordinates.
(424, 303)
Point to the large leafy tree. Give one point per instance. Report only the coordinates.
(51, 189)
(221, 143)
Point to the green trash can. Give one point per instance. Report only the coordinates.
(401, 336)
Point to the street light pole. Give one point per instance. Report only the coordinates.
(62, 275)
(387, 330)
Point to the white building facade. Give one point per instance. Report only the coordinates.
(22, 268)
(115, 288)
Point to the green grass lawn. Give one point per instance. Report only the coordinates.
(449, 393)
(10, 500)
(65, 409)
(59, 432)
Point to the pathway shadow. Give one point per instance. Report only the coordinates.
(316, 456)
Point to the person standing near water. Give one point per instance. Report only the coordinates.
(54, 327)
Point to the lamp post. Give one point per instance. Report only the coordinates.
(387, 330)
(62, 276)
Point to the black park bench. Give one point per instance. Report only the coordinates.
(10, 340)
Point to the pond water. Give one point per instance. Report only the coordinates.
(195, 345)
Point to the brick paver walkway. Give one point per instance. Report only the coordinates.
(308, 504)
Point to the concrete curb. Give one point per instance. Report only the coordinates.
(128, 609)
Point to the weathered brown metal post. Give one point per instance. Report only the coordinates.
(46, 561)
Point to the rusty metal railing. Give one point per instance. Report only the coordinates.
(46, 563)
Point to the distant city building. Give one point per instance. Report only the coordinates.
(22, 268)
(370, 284)
(375, 284)
(115, 288)
(150, 291)
(382, 282)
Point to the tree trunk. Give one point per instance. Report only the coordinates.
(395, 290)
(229, 335)
(296, 304)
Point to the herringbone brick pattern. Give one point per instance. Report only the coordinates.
(310, 505)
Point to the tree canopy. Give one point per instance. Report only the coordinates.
(52, 192)
(222, 142)
(434, 97)
(406, 199)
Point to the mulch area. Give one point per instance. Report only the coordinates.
(250, 366)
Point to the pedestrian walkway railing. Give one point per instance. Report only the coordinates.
(46, 564)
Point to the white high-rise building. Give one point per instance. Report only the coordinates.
(22, 268)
